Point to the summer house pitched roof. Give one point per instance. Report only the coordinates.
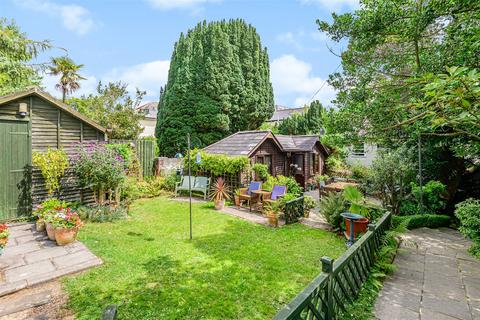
(244, 143)
(282, 113)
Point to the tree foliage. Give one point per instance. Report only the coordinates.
(16, 52)
(392, 46)
(67, 69)
(114, 108)
(218, 84)
(309, 122)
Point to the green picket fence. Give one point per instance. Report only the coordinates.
(340, 281)
(145, 152)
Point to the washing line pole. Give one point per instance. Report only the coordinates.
(189, 183)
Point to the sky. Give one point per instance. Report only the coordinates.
(132, 40)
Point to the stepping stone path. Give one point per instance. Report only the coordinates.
(436, 279)
(30, 258)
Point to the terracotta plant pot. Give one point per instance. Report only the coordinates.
(272, 219)
(219, 204)
(237, 200)
(50, 231)
(40, 225)
(359, 226)
(65, 236)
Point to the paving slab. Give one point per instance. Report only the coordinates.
(436, 279)
(30, 258)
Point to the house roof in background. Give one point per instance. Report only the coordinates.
(59, 104)
(149, 108)
(282, 113)
(244, 143)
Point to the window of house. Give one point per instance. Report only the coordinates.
(358, 150)
(268, 162)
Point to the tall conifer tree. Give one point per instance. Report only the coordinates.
(218, 84)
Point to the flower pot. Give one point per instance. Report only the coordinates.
(3, 242)
(359, 226)
(50, 231)
(306, 213)
(272, 219)
(237, 200)
(219, 204)
(40, 225)
(64, 236)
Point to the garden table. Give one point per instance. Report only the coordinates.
(259, 196)
(338, 186)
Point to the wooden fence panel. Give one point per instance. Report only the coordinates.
(145, 150)
(340, 281)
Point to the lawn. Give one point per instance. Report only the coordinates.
(232, 269)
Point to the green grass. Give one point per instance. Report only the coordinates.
(232, 269)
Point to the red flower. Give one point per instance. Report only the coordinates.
(3, 227)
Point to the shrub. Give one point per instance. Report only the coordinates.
(433, 193)
(331, 206)
(41, 210)
(423, 220)
(308, 203)
(52, 164)
(170, 181)
(99, 167)
(218, 164)
(468, 213)
(292, 186)
(102, 213)
(151, 187)
(360, 172)
(261, 171)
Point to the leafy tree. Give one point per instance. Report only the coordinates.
(218, 83)
(16, 53)
(112, 107)
(69, 77)
(309, 122)
(392, 45)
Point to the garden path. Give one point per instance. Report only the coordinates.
(30, 259)
(436, 279)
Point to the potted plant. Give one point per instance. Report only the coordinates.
(220, 192)
(66, 224)
(358, 205)
(49, 218)
(236, 197)
(308, 204)
(39, 213)
(4, 232)
(273, 210)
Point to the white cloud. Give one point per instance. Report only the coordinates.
(74, 17)
(334, 4)
(293, 82)
(148, 76)
(302, 41)
(178, 4)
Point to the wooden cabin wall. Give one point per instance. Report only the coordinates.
(268, 147)
(54, 128)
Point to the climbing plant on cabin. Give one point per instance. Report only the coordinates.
(218, 164)
(52, 164)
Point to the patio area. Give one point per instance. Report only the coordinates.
(30, 259)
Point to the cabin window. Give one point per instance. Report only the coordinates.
(358, 150)
(315, 162)
(266, 159)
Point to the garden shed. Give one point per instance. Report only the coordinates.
(301, 157)
(32, 121)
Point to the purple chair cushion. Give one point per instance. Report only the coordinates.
(278, 191)
(254, 185)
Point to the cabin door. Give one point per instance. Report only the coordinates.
(14, 174)
(299, 170)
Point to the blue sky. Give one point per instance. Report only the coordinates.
(132, 40)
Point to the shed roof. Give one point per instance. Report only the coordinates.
(282, 113)
(244, 143)
(59, 104)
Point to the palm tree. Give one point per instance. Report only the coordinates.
(69, 77)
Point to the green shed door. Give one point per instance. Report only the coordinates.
(14, 161)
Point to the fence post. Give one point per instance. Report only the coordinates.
(327, 267)
(371, 227)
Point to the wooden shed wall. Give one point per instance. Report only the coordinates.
(268, 147)
(54, 128)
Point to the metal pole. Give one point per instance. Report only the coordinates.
(420, 178)
(189, 184)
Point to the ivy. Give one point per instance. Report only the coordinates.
(52, 164)
(218, 164)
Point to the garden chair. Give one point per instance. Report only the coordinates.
(202, 184)
(246, 193)
(183, 184)
(277, 193)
